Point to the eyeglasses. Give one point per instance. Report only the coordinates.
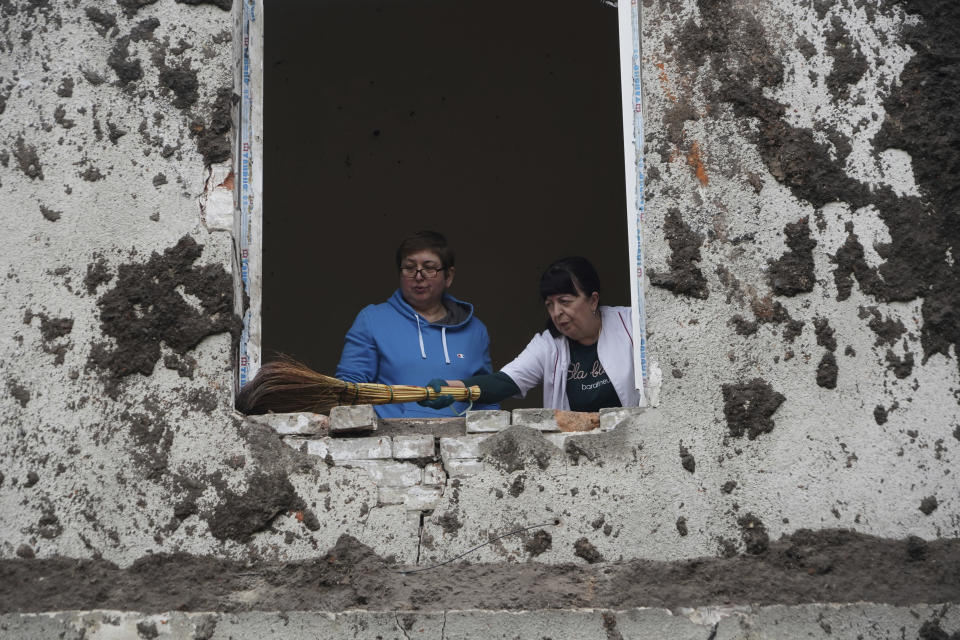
(426, 272)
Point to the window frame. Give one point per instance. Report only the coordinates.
(631, 88)
(248, 205)
(248, 163)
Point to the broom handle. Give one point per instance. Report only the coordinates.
(460, 394)
(374, 393)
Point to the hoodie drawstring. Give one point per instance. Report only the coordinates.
(423, 352)
(443, 335)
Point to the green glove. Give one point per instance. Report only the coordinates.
(438, 402)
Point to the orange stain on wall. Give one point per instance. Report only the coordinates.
(665, 82)
(227, 182)
(695, 160)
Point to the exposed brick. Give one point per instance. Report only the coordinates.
(352, 419)
(612, 416)
(461, 447)
(539, 419)
(294, 424)
(416, 498)
(341, 449)
(437, 427)
(300, 444)
(489, 421)
(388, 473)
(317, 447)
(576, 421)
(421, 498)
(390, 495)
(434, 475)
(412, 447)
(462, 468)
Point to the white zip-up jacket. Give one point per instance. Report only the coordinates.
(545, 360)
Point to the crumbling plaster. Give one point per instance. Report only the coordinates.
(96, 463)
(832, 458)
(119, 174)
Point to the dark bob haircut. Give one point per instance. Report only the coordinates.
(574, 275)
(426, 240)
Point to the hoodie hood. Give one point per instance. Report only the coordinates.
(458, 315)
(458, 311)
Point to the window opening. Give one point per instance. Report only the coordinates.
(382, 118)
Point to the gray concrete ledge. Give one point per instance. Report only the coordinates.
(437, 427)
(810, 621)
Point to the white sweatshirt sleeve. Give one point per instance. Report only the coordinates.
(527, 369)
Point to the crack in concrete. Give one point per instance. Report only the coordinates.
(446, 484)
(396, 618)
(202, 198)
(566, 471)
(443, 627)
(713, 632)
(423, 515)
(366, 519)
(710, 616)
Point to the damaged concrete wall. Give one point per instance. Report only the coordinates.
(116, 302)
(801, 224)
(799, 228)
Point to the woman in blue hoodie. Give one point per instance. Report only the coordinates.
(419, 332)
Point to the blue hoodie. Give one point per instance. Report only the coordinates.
(390, 343)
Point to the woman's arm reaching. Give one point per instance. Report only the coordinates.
(494, 387)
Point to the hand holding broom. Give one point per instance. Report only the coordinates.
(437, 401)
(288, 386)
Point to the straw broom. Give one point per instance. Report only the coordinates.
(288, 386)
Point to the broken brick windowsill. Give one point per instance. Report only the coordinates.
(412, 460)
(361, 420)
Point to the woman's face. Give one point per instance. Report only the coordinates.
(421, 292)
(575, 316)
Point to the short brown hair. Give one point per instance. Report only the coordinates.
(426, 240)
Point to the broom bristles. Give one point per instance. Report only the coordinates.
(288, 386)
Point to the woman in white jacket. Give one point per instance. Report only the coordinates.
(584, 359)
